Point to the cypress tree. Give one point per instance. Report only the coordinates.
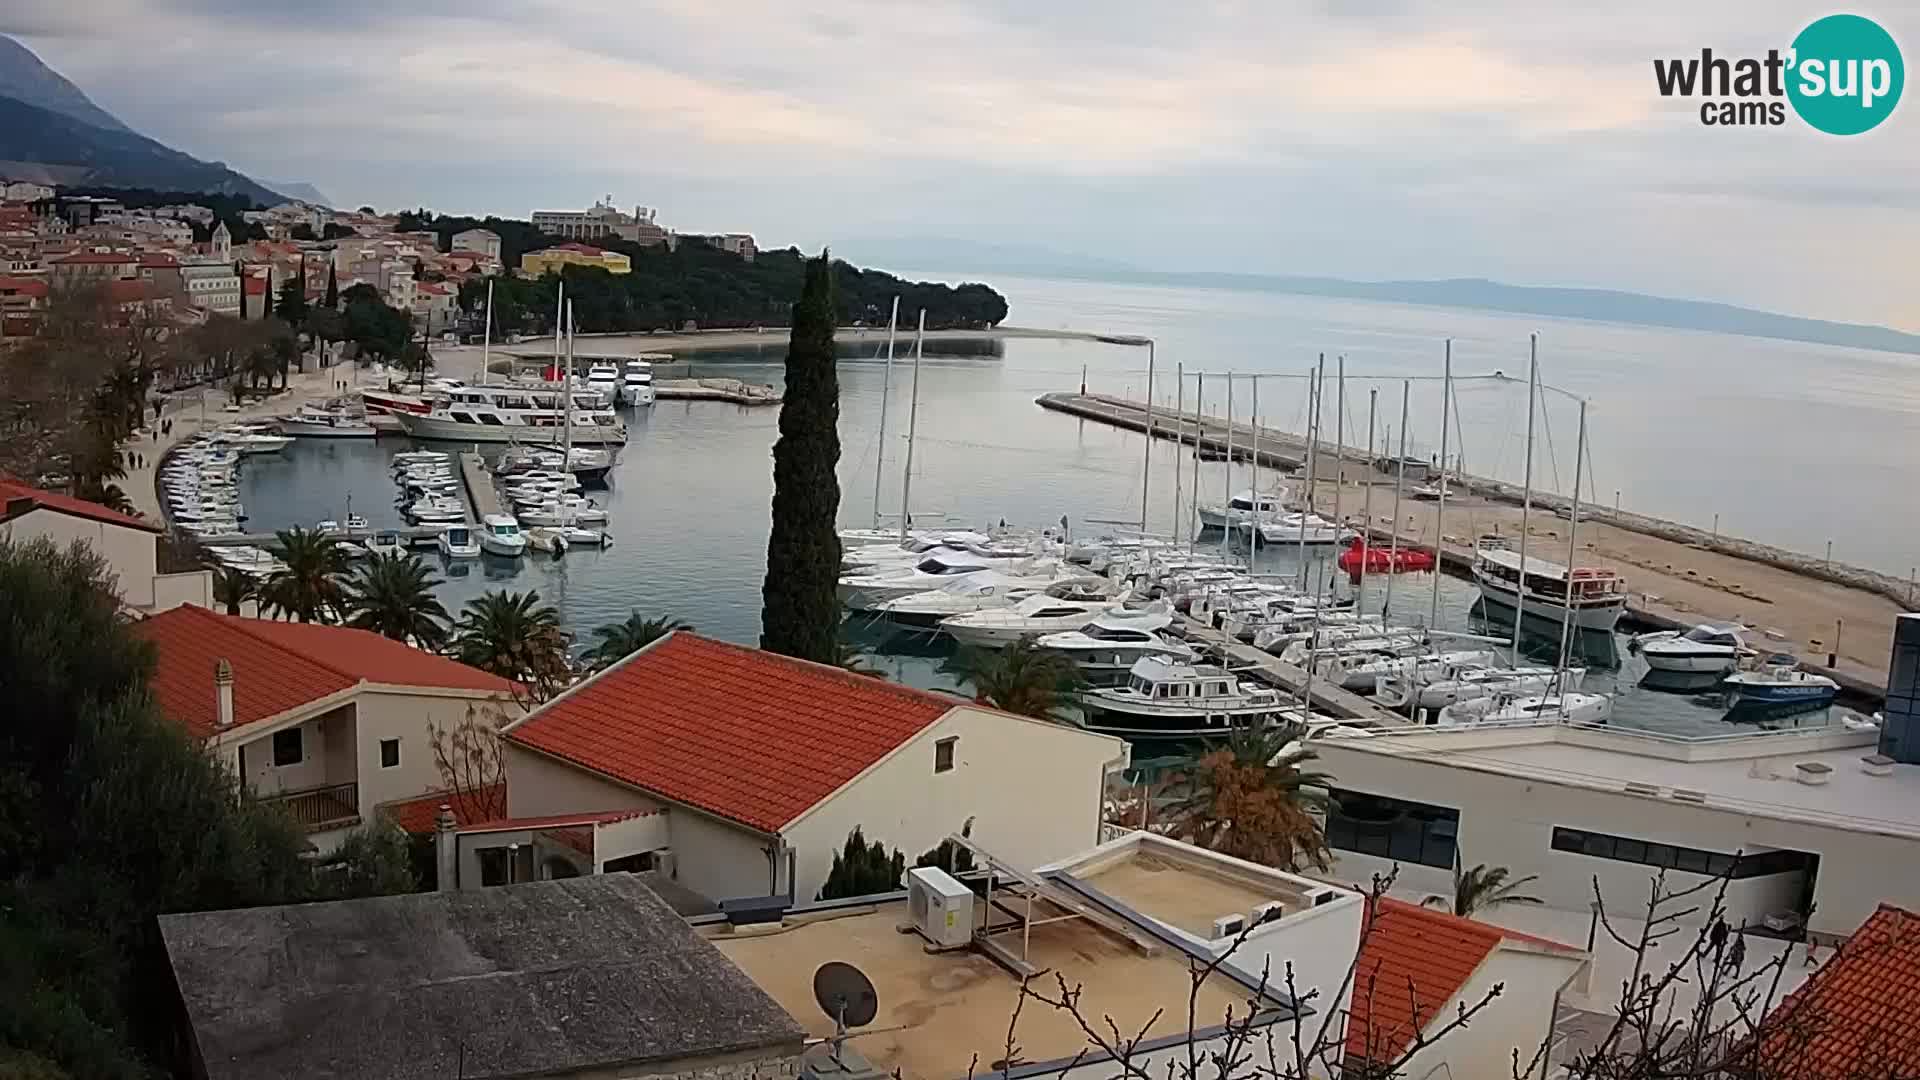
(333, 288)
(800, 610)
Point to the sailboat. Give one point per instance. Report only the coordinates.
(565, 531)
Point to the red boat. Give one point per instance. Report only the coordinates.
(1379, 560)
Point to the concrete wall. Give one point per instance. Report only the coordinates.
(1509, 821)
(331, 728)
(407, 716)
(752, 1065)
(128, 552)
(539, 786)
(719, 860)
(1032, 788)
(1520, 1017)
(173, 590)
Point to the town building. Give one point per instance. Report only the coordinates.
(129, 545)
(328, 720)
(591, 978)
(740, 244)
(23, 306)
(212, 286)
(25, 191)
(479, 241)
(603, 220)
(551, 260)
(92, 265)
(752, 769)
(435, 306)
(1814, 825)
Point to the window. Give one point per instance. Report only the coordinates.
(1391, 828)
(288, 748)
(1674, 857)
(389, 753)
(943, 754)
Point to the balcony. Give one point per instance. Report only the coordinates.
(334, 806)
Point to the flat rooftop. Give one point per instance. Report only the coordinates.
(1752, 774)
(939, 1010)
(1180, 894)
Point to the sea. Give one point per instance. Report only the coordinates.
(1788, 443)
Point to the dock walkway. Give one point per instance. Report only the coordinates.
(1327, 697)
(482, 497)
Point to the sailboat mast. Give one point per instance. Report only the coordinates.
(1179, 439)
(1199, 410)
(1526, 494)
(886, 394)
(1146, 460)
(566, 394)
(1227, 524)
(913, 423)
(1339, 447)
(1253, 413)
(1566, 599)
(1399, 481)
(559, 328)
(1314, 378)
(486, 336)
(1366, 512)
(1440, 511)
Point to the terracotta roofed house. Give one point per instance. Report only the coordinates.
(762, 764)
(130, 545)
(331, 720)
(1855, 1017)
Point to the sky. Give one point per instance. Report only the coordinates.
(1375, 139)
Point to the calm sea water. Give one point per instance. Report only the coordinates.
(1674, 425)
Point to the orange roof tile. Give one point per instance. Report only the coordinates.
(67, 504)
(548, 821)
(416, 815)
(282, 665)
(16, 286)
(1436, 952)
(750, 736)
(1854, 1017)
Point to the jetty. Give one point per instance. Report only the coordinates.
(732, 391)
(1679, 574)
(482, 497)
(1322, 694)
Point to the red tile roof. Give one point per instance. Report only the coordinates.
(548, 821)
(585, 249)
(1437, 952)
(16, 286)
(67, 504)
(750, 736)
(282, 665)
(100, 257)
(1854, 1017)
(416, 815)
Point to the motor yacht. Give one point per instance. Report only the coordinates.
(1242, 508)
(1038, 614)
(866, 591)
(386, 542)
(1597, 596)
(1297, 528)
(988, 590)
(1567, 707)
(561, 511)
(458, 542)
(636, 383)
(332, 422)
(517, 413)
(1705, 648)
(1164, 699)
(500, 535)
(1778, 683)
(1107, 647)
(1426, 687)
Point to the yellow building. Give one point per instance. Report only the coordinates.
(536, 263)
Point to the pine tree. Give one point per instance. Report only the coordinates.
(800, 611)
(862, 869)
(333, 289)
(292, 304)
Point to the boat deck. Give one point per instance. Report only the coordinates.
(1326, 695)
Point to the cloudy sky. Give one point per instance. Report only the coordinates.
(1362, 138)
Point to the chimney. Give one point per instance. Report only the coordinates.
(446, 854)
(223, 694)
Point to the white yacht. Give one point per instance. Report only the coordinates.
(313, 422)
(1359, 670)
(603, 378)
(1500, 708)
(458, 542)
(1108, 647)
(1427, 687)
(1243, 508)
(636, 383)
(1598, 596)
(560, 510)
(1705, 648)
(249, 441)
(1168, 699)
(866, 591)
(522, 413)
(989, 590)
(386, 542)
(437, 511)
(1039, 614)
(1296, 528)
(500, 535)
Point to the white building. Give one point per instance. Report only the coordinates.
(1804, 818)
(129, 545)
(479, 241)
(603, 220)
(752, 768)
(212, 286)
(328, 720)
(24, 191)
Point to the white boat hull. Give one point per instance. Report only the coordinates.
(303, 429)
(511, 548)
(431, 427)
(1589, 616)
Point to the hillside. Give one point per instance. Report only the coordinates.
(24, 78)
(100, 155)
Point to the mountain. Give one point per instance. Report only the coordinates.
(68, 151)
(300, 190)
(24, 78)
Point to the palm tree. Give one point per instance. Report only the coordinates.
(617, 641)
(392, 595)
(232, 587)
(1483, 887)
(1250, 797)
(308, 588)
(1021, 678)
(516, 637)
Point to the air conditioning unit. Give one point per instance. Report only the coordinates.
(1227, 926)
(942, 908)
(1270, 911)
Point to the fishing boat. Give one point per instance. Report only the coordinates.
(1168, 699)
(1596, 596)
(1359, 556)
(1705, 648)
(500, 535)
(458, 542)
(1778, 683)
(523, 413)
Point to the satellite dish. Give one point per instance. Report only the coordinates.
(845, 994)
